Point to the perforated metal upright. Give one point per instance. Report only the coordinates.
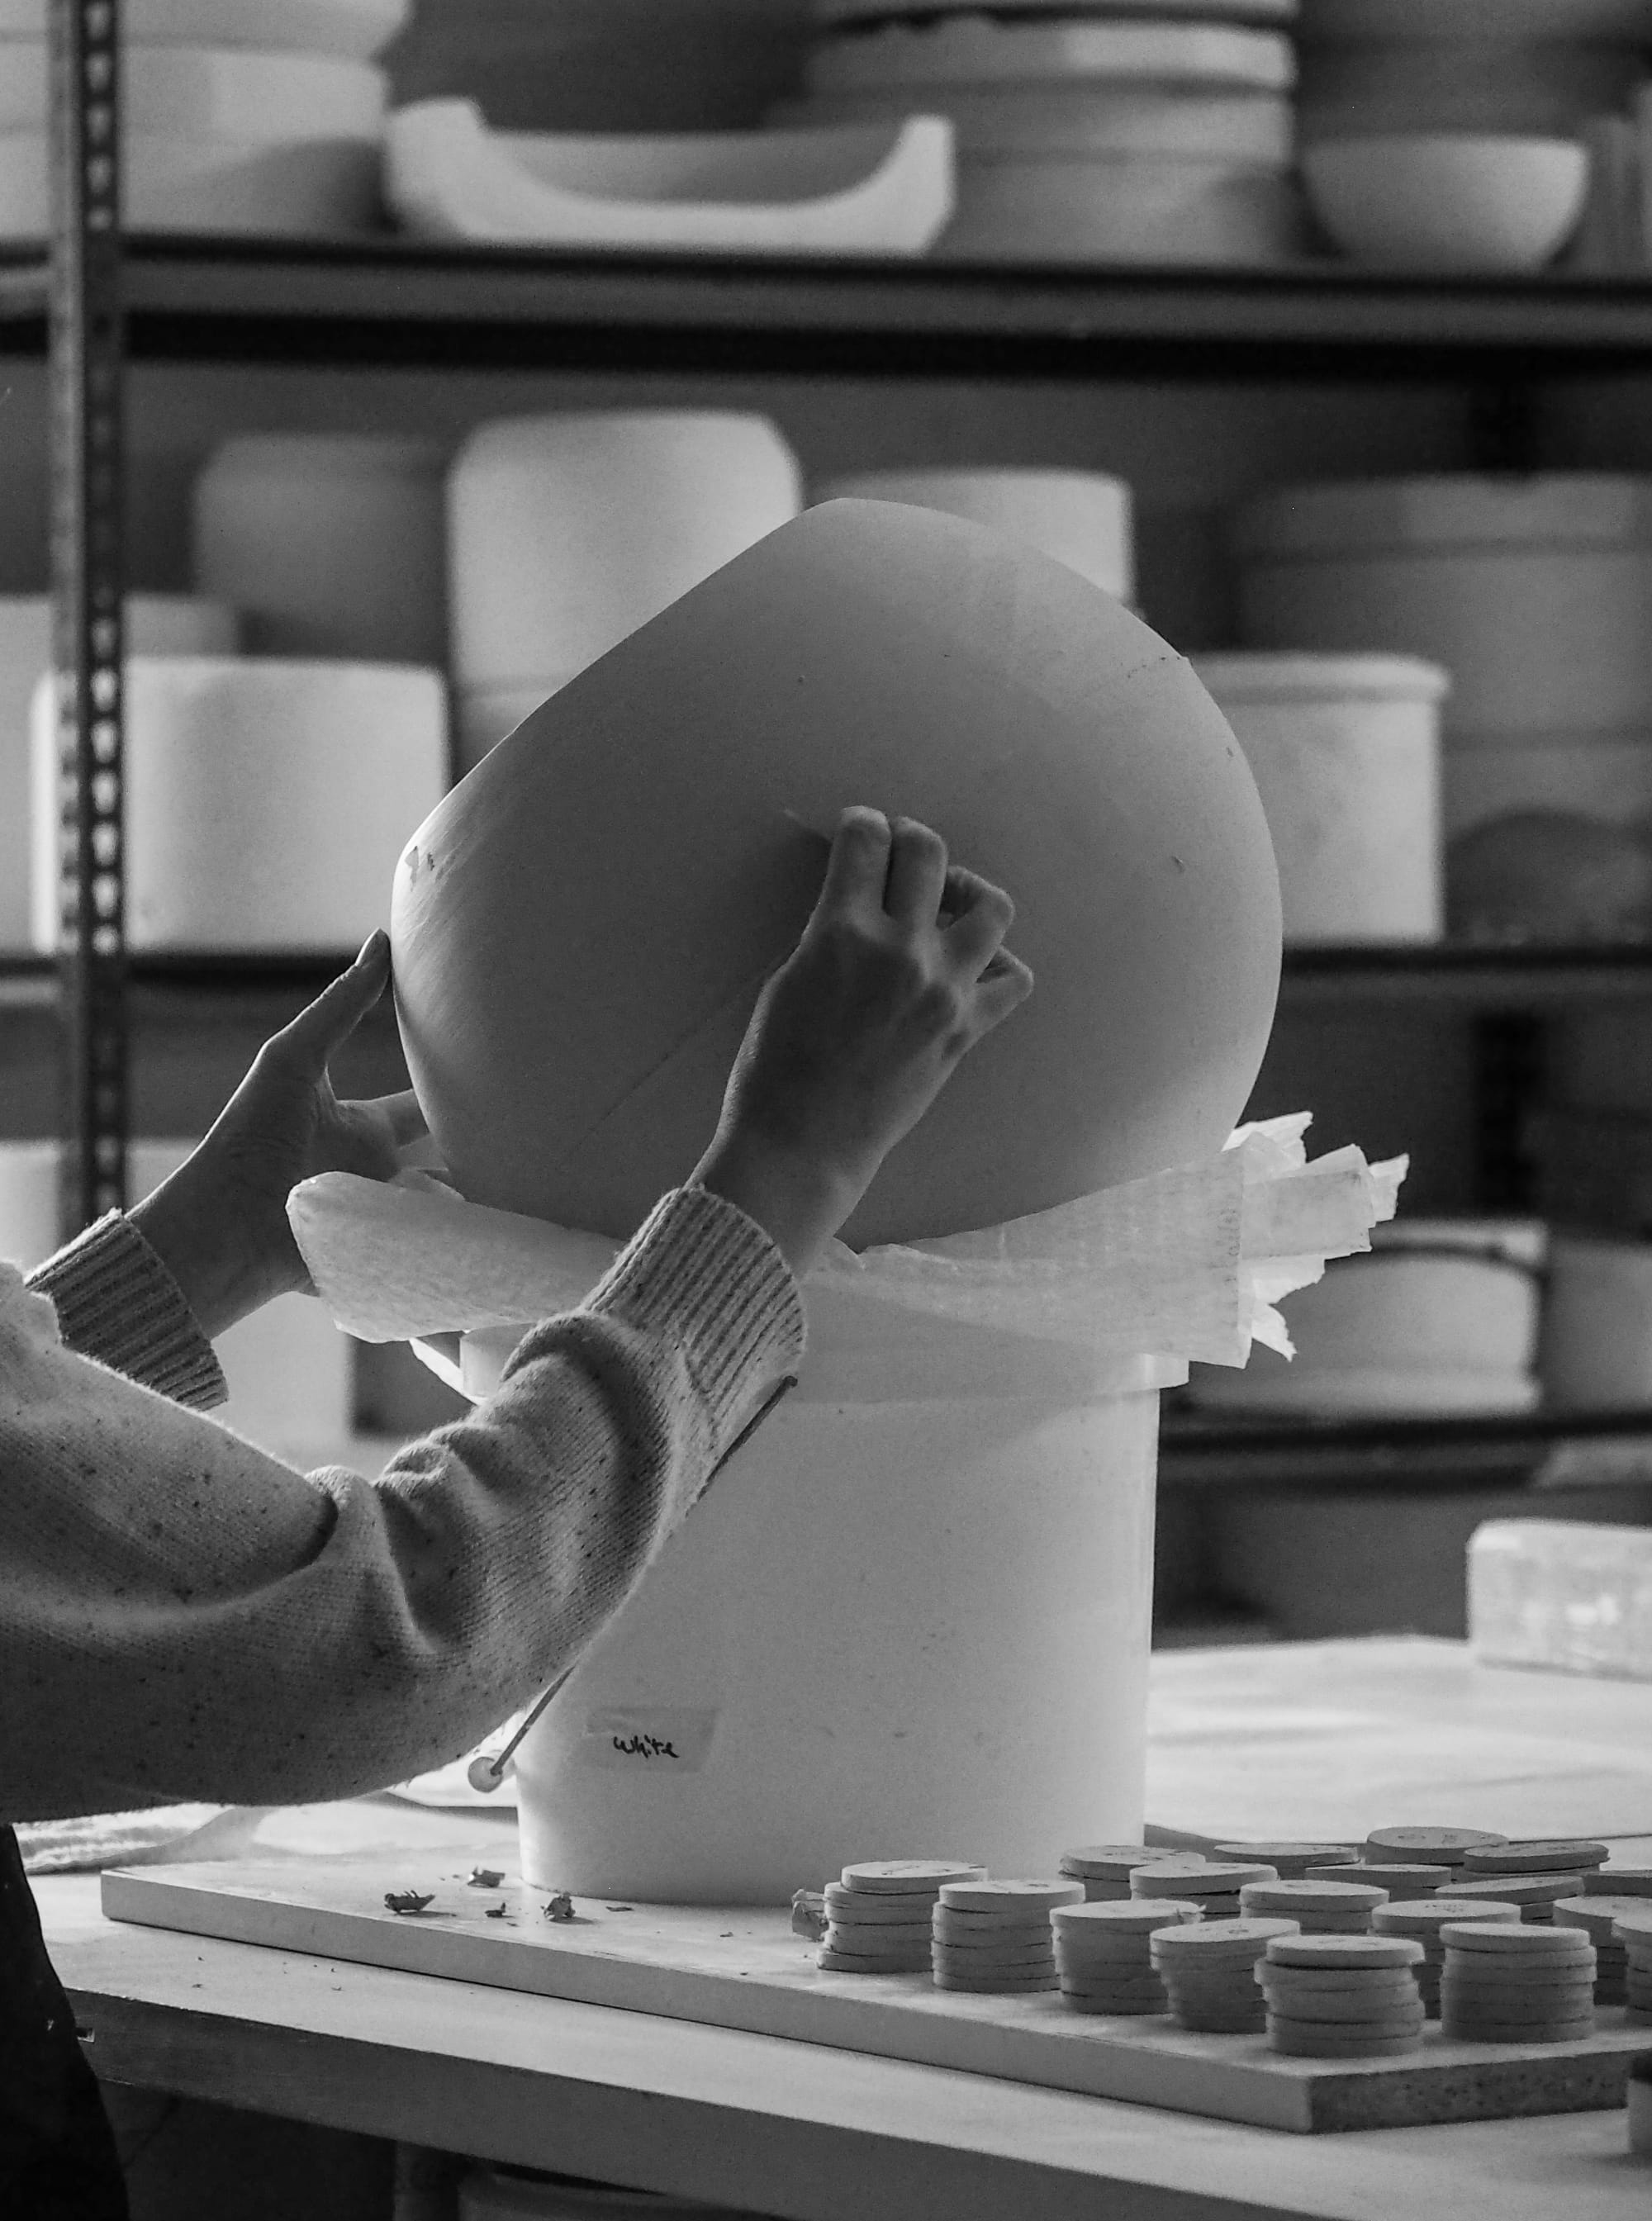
(88, 465)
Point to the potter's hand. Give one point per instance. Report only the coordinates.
(900, 971)
(220, 1222)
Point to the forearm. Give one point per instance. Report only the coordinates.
(269, 1638)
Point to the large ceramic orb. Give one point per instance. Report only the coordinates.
(581, 927)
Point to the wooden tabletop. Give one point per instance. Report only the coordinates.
(798, 2130)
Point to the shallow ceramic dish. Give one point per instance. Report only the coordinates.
(870, 189)
(315, 189)
(1443, 203)
(354, 27)
(212, 92)
(1205, 11)
(976, 50)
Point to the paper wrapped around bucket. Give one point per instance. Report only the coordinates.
(913, 1616)
(1188, 1263)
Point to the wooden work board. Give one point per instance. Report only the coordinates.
(744, 1968)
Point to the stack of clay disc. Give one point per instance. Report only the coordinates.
(1104, 1955)
(1319, 1908)
(1634, 1931)
(1422, 1918)
(1212, 1885)
(1536, 1894)
(1508, 1984)
(1106, 1868)
(1290, 1861)
(878, 1917)
(1558, 1857)
(1434, 1847)
(995, 1936)
(1209, 1970)
(1393, 1880)
(1618, 1882)
(1343, 1996)
(1598, 1917)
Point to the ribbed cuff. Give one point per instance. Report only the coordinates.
(116, 1301)
(701, 1270)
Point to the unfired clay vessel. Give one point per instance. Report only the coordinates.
(581, 927)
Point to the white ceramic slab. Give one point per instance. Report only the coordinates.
(870, 188)
(353, 28)
(318, 189)
(212, 92)
(746, 1970)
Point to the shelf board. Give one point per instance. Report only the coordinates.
(1541, 1449)
(1470, 976)
(403, 302)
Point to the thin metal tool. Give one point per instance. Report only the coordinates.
(490, 1768)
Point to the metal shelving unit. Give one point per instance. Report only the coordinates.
(99, 300)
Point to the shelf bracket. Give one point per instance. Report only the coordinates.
(88, 588)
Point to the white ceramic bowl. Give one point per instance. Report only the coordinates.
(1443, 203)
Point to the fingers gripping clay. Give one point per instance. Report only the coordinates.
(580, 928)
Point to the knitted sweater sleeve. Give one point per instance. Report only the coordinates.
(184, 1617)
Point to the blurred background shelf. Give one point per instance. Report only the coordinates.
(1543, 1450)
(396, 301)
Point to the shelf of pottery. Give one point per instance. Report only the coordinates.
(1446, 135)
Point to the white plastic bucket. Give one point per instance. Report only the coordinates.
(566, 531)
(1596, 1347)
(911, 1618)
(1080, 517)
(333, 544)
(1346, 754)
(1063, 207)
(1534, 593)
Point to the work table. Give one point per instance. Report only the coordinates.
(1317, 1739)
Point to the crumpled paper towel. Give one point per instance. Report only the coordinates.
(1188, 1263)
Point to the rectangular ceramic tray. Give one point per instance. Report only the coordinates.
(744, 1969)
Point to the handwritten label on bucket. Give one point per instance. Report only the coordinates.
(648, 1739)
